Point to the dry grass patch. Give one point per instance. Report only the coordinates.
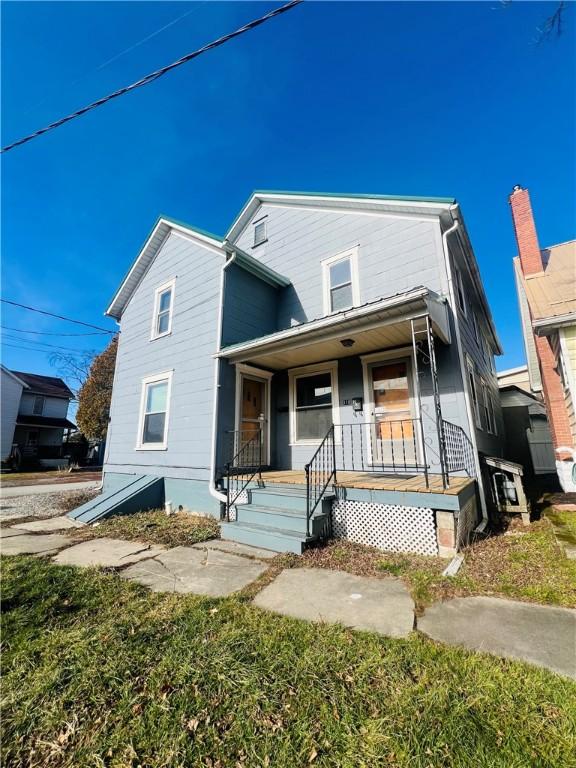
(521, 563)
(154, 527)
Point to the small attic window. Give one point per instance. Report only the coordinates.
(260, 232)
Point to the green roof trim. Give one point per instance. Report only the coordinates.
(184, 224)
(256, 268)
(359, 196)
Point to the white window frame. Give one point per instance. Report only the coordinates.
(493, 425)
(156, 378)
(460, 293)
(256, 224)
(42, 399)
(169, 285)
(473, 391)
(486, 399)
(352, 255)
(294, 374)
(476, 330)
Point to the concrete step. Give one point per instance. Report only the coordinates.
(277, 517)
(285, 498)
(262, 536)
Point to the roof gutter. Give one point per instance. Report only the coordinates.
(547, 324)
(465, 385)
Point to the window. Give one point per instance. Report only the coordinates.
(38, 407)
(476, 329)
(313, 401)
(163, 304)
(460, 291)
(486, 421)
(340, 275)
(154, 408)
(260, 232)
(493, 427)
(474, 393)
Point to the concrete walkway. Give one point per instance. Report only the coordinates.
(360, 602)
(540, 634)
(36, 490)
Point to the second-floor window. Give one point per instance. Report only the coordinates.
(260, 232)
(474, 393)
(460, 291)
(38, 407)
(340, 275)
(163, 306)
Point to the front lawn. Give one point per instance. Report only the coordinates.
(153, 527)
(524, 563)
(100, 672)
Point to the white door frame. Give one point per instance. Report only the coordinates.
(244, 371)
(401, 355)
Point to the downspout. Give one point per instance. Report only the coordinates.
(482, 525)
(212, 483)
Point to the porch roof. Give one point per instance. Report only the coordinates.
(380, 324)
(23, 420)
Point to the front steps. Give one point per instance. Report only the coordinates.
(275, 518)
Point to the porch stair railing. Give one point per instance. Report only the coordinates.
(459, 452)
(245, 465)
(320, 471)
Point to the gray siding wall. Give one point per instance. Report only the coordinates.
(11, 392)
(481, 354)
(395, 254)
(188, 351)
(250, 306)
(56, 407)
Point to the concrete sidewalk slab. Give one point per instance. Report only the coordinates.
(59, 523)
(37, 490)
(360, 602)
(190, 570)
(107, 553)
(34, 544)
(236, 548)
(539, 634)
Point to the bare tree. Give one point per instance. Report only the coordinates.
(73, 367)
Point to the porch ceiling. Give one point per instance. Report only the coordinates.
(383, 324)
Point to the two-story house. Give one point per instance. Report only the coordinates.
(325, 368)
(34, 417)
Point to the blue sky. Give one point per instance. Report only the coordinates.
(440, 99)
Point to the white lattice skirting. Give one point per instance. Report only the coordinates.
(386, 526)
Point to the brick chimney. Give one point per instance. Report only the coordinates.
(525, 231)
(531, 263)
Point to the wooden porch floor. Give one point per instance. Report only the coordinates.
(378, 482)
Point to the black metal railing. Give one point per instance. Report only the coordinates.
(320, 471)
(238, 444)
(459, 452)
(397, 446)
(246, 464)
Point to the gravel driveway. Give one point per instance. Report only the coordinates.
(45, 505)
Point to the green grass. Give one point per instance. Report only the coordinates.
(154, 527)
(99, 672)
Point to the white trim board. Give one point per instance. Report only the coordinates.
(153, 379)
(331, 367)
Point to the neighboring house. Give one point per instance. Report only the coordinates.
(34, 417)
(546, 284)
(526, 428)
(328, 344)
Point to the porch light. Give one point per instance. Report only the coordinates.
(347, 342)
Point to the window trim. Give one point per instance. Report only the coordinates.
(460, 293)
(169, 284)
(294, 374)
(42, 398)
(352, 255)
(474, 391)
(260, 222)
(156, 378)
(486, 398)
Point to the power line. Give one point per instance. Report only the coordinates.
(52, 333)
(116, 57)
(41, 344)
(60, 317)
(157, 74)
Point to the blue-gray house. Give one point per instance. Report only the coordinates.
(326, 368)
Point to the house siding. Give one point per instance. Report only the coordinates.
(568, 336)
(395, 253)
(10, 403)
(480, 353)
(188, 352)
(55, 407)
